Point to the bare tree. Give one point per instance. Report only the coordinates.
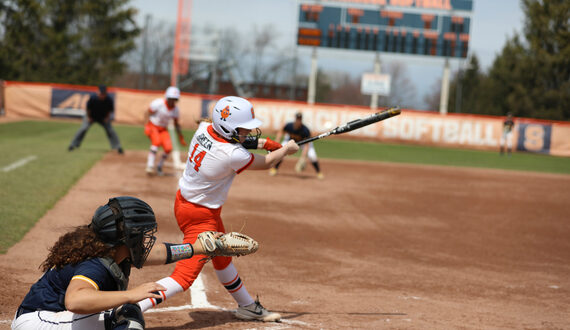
(151, 61)
(402, 91)
(432, 99)
(269, 63)
(345, 90)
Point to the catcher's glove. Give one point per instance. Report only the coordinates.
(230, 244)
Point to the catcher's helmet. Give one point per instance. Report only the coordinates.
(232, 112)
(126, 221)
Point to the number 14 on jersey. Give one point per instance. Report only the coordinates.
(196, 159)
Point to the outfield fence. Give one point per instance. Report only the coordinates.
(39, 100)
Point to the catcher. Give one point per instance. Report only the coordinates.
(87, 270)
(297, 131)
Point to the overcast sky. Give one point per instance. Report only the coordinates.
(493, 21)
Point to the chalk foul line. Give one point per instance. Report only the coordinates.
(19, 163)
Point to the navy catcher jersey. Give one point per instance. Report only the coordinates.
(48, 293)
(297, 134)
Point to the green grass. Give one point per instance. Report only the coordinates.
(414, 154)
(27, 192)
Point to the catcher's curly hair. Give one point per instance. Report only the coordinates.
(76, 246)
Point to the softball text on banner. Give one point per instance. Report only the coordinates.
(37, 100)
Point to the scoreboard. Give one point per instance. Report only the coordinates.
(415, 27)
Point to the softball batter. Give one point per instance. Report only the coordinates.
(216, 156)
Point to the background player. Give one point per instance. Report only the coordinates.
(87, 271)
(216, 156)
(507, 136)
(160, 112)
(100, 108)
(297, 131)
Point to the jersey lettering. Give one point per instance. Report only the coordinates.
(198, 159)
(204, 141)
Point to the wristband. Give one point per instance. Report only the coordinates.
(176, 252)
(271, 145)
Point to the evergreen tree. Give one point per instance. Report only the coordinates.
(532, 79)
(531, 75)
(22, 28)
(547, 31)
(465, 88)
(65, 41)
(506, 91)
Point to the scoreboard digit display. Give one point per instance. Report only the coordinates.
(415, 27)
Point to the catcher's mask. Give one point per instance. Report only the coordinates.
(126, 221)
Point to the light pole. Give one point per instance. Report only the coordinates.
(463, 65)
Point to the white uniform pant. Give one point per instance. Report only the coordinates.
(46, 320)
(311, 154)
(507, 138)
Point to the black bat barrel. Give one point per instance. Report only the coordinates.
(358, 123)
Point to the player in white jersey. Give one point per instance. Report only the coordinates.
(507, 136)
(160, 112)
(216, 155)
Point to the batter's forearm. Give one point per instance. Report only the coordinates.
(276, 156)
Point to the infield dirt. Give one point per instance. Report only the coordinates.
(373, 245)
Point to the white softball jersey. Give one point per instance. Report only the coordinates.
(211, 167)
(161, 114)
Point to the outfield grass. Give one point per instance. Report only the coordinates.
(441, 156)
(27, 192)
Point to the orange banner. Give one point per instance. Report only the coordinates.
(411, 126)
(25, 100)
(31, 100)
(560, 140)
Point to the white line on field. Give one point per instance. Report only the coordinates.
(200, 301)
(198, 290)
(18, 163)
(198, 295)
